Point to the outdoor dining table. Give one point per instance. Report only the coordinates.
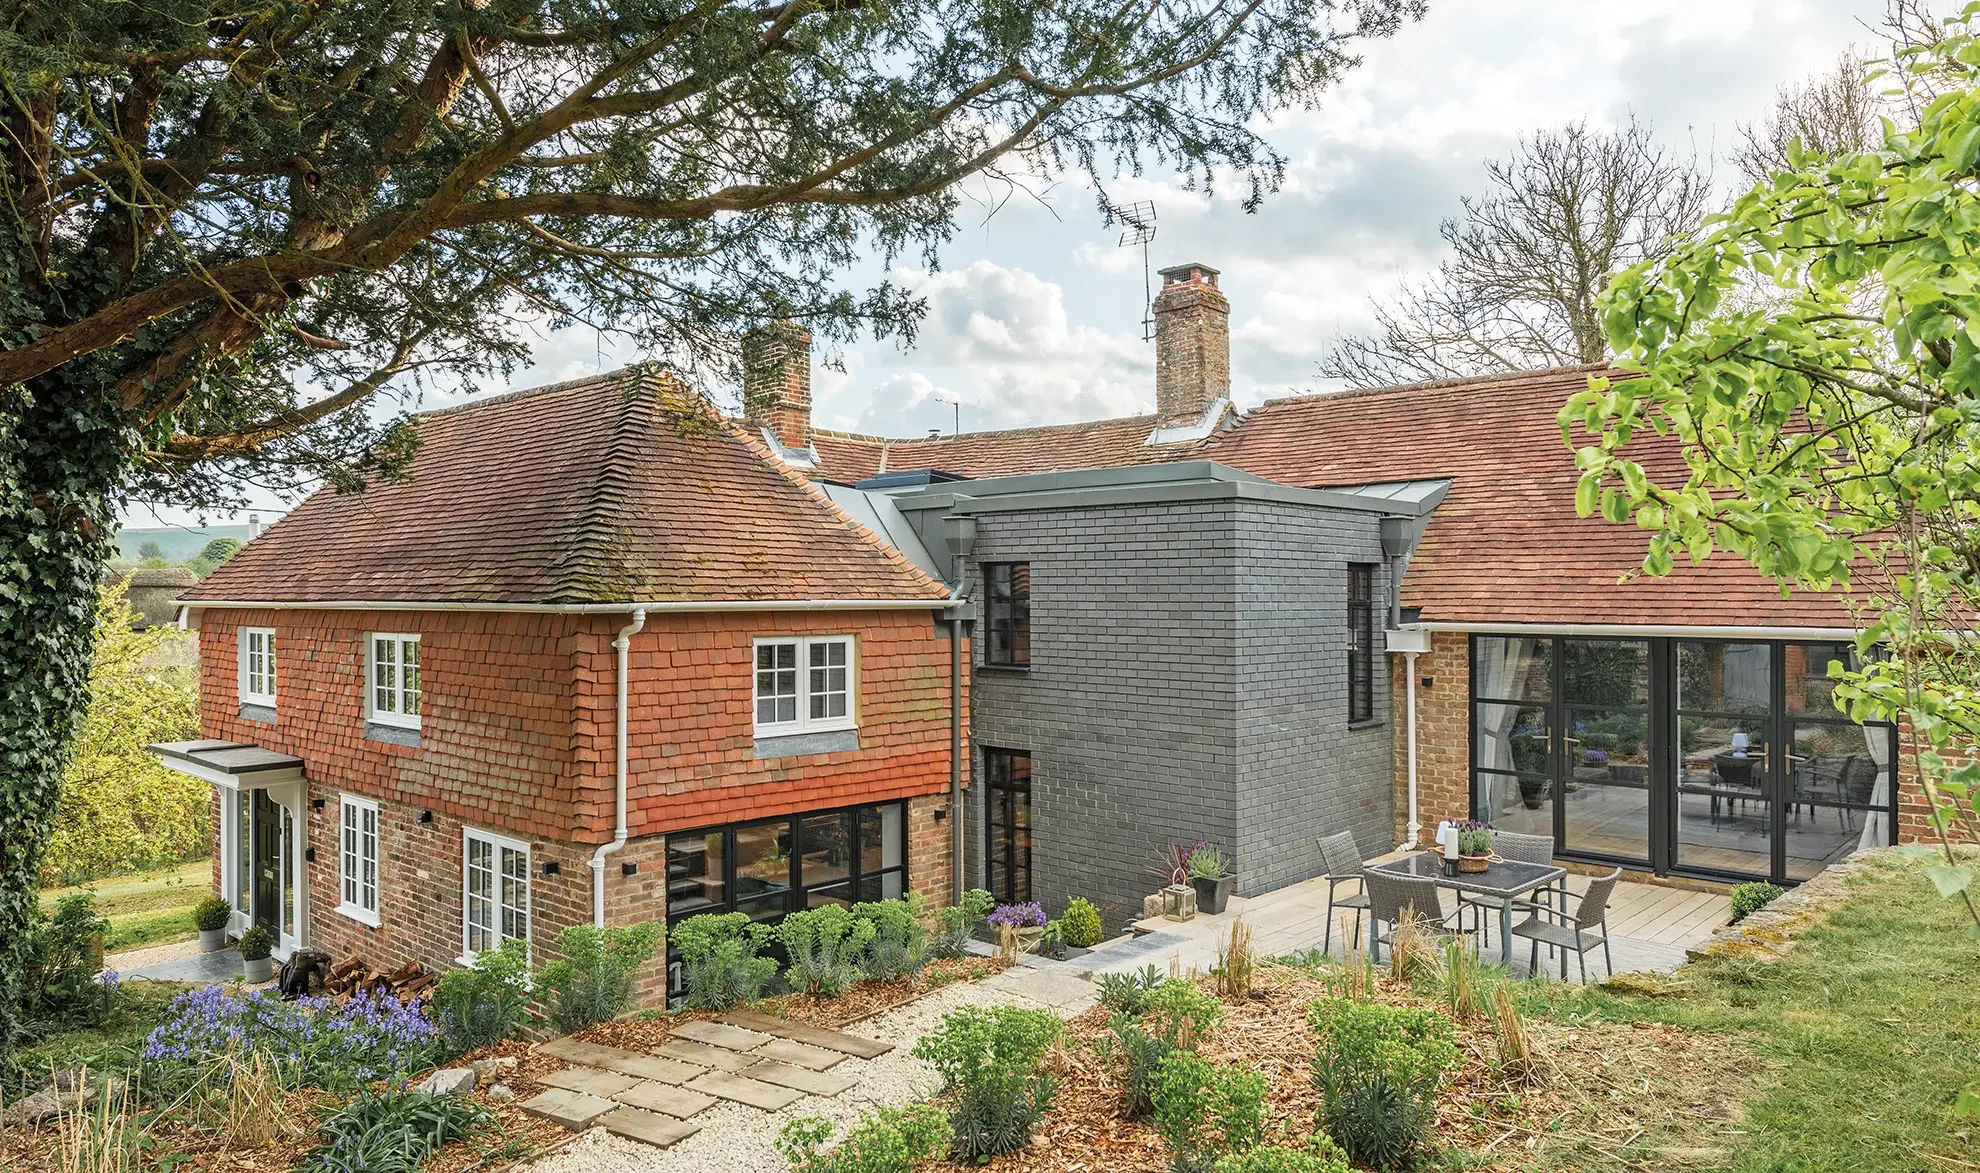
(1502, 878)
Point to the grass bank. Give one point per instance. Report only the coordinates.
(145, 908)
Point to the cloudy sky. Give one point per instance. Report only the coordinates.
(1034, 315)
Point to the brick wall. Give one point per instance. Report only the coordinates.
(1443, 734)
(1192, 342)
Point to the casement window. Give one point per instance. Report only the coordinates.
(1007, 614)
(804, 685)
(358, 873)
(1007, 820)
(1361, 642)
(257, 668)
(394, 693)
(494, 892)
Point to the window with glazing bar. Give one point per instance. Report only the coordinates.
(1361, 642)
(1007, 614)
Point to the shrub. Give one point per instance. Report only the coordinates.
(1130, 992)
(1082, 923)
(1208, 863)
(390, 1132)
(1321, 1156)
(1184, 1015)
(1207, 1111)
(1139, 1055)
(899, 948)
(1052, 939)
(63, 956)
(825, 946)
(1748, 899)
(256, 944)
(1378, 1070)
(482, 1004)
(885, 1140)
(958, 923)
(990, 1060)
(720, 961)
(210, 914)
(593, 981)
(368, 1038)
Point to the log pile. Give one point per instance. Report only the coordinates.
(351, 977)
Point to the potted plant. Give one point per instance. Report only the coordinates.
(256, 944)
(1210, 874)
(1052, 940)
(1027, 920)
(210, 918)
(1532, 792)
(1474, 846)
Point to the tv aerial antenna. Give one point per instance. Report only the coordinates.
(1138, 221)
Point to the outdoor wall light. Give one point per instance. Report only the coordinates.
(316, 804)
(628, 869)
(426, 816)
(941, 812)
(1428, 681)
(309, 855)
(551, 868)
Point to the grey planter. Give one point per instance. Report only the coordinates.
(212, 940)
(260, 969)
(1212, 895)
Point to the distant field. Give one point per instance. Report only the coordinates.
(146, 908)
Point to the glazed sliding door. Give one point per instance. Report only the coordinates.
(1605, 735)
(1512, 780)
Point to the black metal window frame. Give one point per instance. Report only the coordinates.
(1007, 614)
(1361, 642)
(1003, 792)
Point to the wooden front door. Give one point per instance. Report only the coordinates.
(268, 864)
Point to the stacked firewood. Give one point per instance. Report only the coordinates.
(351, 977)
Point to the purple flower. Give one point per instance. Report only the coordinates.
(1030, 914)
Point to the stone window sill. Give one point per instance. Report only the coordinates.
(391, 734)
(790, 745)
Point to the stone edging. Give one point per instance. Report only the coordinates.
(1772, 929)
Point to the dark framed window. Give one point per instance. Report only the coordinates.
(1007, 613)
(1361, 642)
(1007, 821)
(772, 867)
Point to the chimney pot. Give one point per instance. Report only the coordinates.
(1192, 341)
(776, 364)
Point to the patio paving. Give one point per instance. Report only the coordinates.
(218, 966)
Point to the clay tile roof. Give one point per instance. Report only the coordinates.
(619, 488)
(1114, 443)
(1505, 546)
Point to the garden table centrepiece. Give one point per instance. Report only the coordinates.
(1503, 878)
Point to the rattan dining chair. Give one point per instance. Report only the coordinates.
(1583, 929)
(1520, 849)
(1343, 860)
(1391, 896)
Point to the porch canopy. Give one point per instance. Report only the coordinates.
(232, 764)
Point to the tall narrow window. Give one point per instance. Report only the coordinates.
(804, 685)
(257, 665)
(358, 897)
(1007, 817)
(494, 892)
(1007, 613)
(1361, 642)
(395, 687)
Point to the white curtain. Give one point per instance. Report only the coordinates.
(1500, 672)
(1877, 823)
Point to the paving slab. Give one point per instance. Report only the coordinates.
(754, 1092)
(817, 1036)
(818, 1083)
(655, 1067)
(797, 1054)
(578, 1051)
(677, 1102)
(646, 1127)
(703, 1055)
(589, 1080)
(1058, 990)
(573, 1110)
(720, 1034)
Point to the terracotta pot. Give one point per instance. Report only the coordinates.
(1474, 863)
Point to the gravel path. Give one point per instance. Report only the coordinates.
(741, 1139)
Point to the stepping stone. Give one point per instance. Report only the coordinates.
(654, 1067)
(573, 1110)
(589, 1080)
(646, 1127)
(578, 1051)
(797, 1054)
(703, 1055)
(817, 1036)
(717, 1034)
(818, 1083)
(754, 1092)
(658, 1097)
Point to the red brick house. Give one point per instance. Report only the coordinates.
(598, 656)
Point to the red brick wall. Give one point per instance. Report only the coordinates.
(517, 737)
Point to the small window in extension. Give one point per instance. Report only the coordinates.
(1007, 618)
(1361, 642)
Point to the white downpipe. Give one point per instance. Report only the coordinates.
(1409, 689)
(619, 645)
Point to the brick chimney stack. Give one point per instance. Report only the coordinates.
(776, 364)
(1192, 341)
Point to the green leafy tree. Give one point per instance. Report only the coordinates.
(213, 554)
(1831, 434)
(227, 231)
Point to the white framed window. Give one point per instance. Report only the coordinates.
(494, 892)
(357, 893)
(804, 685)
(393, 692)
(257, 648)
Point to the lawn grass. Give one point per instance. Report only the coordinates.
(146, 908)
(109, 1046)
(1863, 1034)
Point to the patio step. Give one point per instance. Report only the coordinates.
(816, 1036)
